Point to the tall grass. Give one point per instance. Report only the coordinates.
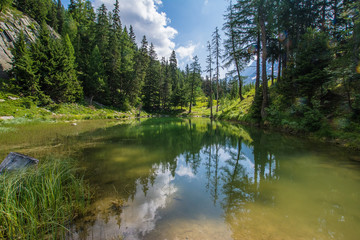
(39, 203)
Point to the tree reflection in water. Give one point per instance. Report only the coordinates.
(199, 179)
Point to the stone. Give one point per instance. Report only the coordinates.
(2, 100)
(6, 117)
(13, 98)
(16, 161)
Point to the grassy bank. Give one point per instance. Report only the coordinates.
(40, 203)
(24, 108)
(331, 124)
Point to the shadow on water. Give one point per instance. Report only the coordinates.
(197, 179)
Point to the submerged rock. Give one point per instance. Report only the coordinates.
(16, 161)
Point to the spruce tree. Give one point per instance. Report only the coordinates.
(96, 84)
(209, 69)
(23, 68)
(140, 69)
(216, 41)
(5, 4)
(194, 80)
(151, 98)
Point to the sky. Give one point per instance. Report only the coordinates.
(182, 25)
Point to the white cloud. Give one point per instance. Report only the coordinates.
(186, 53)
(185, 171)
(206, 2)
(146, 20)
(142, 212)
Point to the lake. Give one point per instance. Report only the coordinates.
(171, 178)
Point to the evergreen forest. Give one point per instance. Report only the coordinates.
(315, 46)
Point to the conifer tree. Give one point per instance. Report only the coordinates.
(23, 68)
(140, 69)
(127, 55)
(194, 80)
(151, 87)
(217, 55)
(95, 85)
(165, 83)
(5, 4)
(102, 30)
(209, 69)
(232, 53)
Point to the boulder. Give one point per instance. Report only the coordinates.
(16, 161)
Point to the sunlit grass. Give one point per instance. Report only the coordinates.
(237, 110)
(38, 203)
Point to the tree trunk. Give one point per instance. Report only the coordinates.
(192, 95)
(323, 16)
(211, 101)
(237, 65)
(263, 61)
(257, 83)
(217, 89)
(91, 100)
(279, 67)
(272, 71)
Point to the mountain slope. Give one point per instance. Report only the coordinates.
(11, 23)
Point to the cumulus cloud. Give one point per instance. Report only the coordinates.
(187, 52)
(146, 20)
(185, 171)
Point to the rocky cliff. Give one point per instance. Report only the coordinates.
(11, 23)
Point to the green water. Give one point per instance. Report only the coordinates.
(196, 179)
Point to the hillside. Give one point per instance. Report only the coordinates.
(11, 23)
(333, 122)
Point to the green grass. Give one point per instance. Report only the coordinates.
(24, 109)
(236, 110)
(39, 203)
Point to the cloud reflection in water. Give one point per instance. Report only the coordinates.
(140, 217)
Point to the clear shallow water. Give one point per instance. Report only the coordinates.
(193, 179)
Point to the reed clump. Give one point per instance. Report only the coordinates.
(41, 202)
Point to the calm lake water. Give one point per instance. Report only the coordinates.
(196, 179)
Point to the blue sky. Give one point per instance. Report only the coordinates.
(183, 25)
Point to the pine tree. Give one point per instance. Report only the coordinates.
(5, 4)
(165, 83)
(312, 59)
(209, 69)
(233, 53)
(151, 87)
(116, 22)
(44, 51)
(217, 55)
(68, 88)
(127, 55)
(113, 71)
(96, 82)
(23, 68)
(102, 30)
(132, 38)
(194, 79)
(140, 69)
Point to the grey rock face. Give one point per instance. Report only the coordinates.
(11, 23)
